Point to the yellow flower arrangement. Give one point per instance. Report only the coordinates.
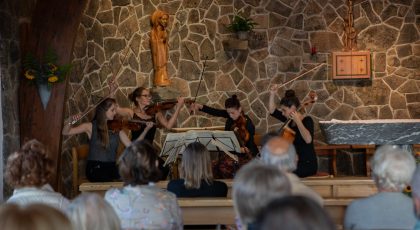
(45, 71)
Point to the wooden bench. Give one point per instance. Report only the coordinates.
(328, 188)
(205, 211)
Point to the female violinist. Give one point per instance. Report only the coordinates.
(236, 121)
(303, 127)
(142, 98)
(103, 143)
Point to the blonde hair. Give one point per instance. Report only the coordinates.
(34, 217)
(89, 211)
(196, 165)
(254, 186)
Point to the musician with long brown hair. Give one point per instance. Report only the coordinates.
(103, 144)
(301, 125)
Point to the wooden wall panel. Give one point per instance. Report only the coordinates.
(54, 24)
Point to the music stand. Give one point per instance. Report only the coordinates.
(214, 140)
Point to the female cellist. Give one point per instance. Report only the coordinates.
(303, 126)
(103, 143)
(141, 97)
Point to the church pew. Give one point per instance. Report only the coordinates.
(205, 211)
(328, 188)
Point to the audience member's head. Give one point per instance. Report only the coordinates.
(415, 190)
(196, 165)
(278, 152)
(255, 185)
(34, 217)
(138, 164)
(91, 212)
(30, 166)
(392, 168)
(294, 213)
(268, 136)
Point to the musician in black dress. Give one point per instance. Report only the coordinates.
(303, 127)
(244, 128)
(236, 119)
(141, 97)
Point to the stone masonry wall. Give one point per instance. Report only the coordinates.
(116, 32)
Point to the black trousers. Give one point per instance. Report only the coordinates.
(306, 168)
(98, 171)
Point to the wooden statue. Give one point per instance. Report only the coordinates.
(350, 33)
(159, 45)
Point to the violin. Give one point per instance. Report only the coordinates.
(117, 125)
(285, 131)
(154, 108)
(239, 127)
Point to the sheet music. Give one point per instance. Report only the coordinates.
(175, 143)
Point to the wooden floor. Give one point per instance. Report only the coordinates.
(337, 192)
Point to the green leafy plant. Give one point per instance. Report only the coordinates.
(45, 71)
(241, 23)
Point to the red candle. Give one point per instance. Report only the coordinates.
(313, 50)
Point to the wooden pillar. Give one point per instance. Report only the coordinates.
(54, 24)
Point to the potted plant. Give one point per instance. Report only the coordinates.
(241, 26)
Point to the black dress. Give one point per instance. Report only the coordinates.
(215, 189)
(150, 136)
(307, 163)
(250, 144)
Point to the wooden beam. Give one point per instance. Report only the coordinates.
(54, 24)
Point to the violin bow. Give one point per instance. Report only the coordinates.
(111, 91)
(199, 83)
(302, 74)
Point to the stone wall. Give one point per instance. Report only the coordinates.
(115, 33)
(9, 67)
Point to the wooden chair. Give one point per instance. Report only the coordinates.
(78, 153)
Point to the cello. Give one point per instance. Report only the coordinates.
(285, 131)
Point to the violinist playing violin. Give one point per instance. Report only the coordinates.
(301, 126)
(103, 143)
(142, 98)
(236, 121)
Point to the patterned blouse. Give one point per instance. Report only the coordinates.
(44, 194)
(145, 207)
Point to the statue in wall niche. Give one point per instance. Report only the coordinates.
(350, 33)
(159, 46)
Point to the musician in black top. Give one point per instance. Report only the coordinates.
(236, 118)
(303, 127)
(142, 97)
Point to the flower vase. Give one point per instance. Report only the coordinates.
(44, 93)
